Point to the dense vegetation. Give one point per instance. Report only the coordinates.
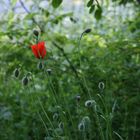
(88, 85)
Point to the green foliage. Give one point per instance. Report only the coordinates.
(94, 6)
(89, 4)
(87, 90)
(98, 13)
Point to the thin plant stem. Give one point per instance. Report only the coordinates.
(135, 126)
(46, 115)
(54, 92)
(108, 120)
(80, 62)
(99, 125)
(52, 86)
(38, 111)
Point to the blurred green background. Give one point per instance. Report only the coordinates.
(53, 106)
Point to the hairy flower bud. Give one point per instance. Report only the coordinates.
(87, 31)
(25, 80)
(40, 65)
(49, 71)
(78, 97)
(90, 103)
(101, 85)
(86, 121)
(55, 116)
(61, 125)
(138, 1)
(36, 33)
(81, 126)
(16, 72)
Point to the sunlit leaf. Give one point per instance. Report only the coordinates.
(90, 3)
(56, 3)
(92, 9)
(98, 13)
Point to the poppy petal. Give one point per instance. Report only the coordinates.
(35, 51)
(42, 49)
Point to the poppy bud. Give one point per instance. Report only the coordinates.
(138, 1)
(49, 71)
(25, 81)
(40, 65)
(101, 85)
(16, 72)
(81, 126)
(36, 33)
(61, 125)
(90, 103)
(86, 121)
(87, 31)
(55, 116)
(78, 97)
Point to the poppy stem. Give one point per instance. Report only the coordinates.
(71, 66)
(80, 63)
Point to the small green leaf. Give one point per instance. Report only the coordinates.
(98, 13)
(56, 3)
(89, 3)
(91, 9)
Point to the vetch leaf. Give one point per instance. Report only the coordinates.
(90, 3)
(98, 13)
(92, 9)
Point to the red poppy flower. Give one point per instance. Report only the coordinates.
(39, 50)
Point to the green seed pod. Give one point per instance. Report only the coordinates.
(25, 81)
(16, 72)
